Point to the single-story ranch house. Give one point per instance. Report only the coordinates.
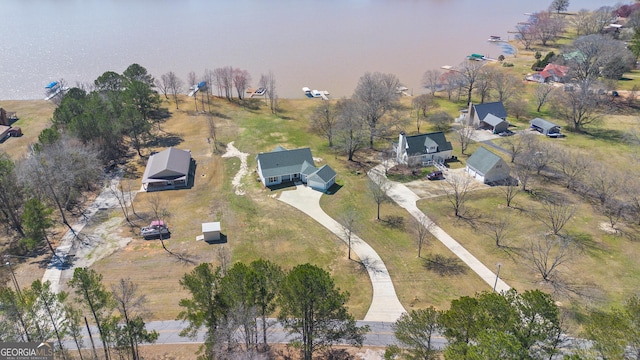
(545, 127)
(282, 165)
(491, 116)
(487, 167)
(423, 149)
(168, 169)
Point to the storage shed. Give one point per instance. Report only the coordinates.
(211, 231)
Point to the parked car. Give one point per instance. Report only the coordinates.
(436, 175)
(506, 133)
(155, 230)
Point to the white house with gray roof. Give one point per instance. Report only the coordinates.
(423, 148)
(487, 167)
(282, 166)
(168, 169)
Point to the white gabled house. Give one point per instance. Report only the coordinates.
(487, 167)
(423, 148)
(282, 166)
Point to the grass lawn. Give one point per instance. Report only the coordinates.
(33, 117)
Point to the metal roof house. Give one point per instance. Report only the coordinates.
(168, 169)
(423, 148)
(487, 167)
(282, 166)
(478, 116)
(545, 127)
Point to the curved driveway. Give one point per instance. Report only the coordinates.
(385, 305)
(407, 200)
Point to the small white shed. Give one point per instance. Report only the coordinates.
(211, 231)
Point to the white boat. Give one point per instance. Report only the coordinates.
(494, 38)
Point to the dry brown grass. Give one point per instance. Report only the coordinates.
(33, 117)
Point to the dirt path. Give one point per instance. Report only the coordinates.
(232, 151)
(80, 247)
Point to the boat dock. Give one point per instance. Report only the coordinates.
(316, 93)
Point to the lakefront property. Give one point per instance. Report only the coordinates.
(281, 166)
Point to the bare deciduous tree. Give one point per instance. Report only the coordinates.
(431, 80)
(212, 131)
(542, 94)
(470, 72)
(241, 80)
(555, 214)
(350, 130)
(510, 191)
(376, 94)
(573, 165)
(457, 188)
(499, 230)
(421, 228)
(603, 183)
(324, 119)
(268, 82)
(193, 80)
(505, 84)
(423, 104)
(547, 26)
(525, 34)
(378, 189)
(349, 223)
(546, 254)
(464, 135)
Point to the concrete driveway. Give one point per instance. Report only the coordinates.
(385, 305)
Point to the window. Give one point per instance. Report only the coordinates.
(295, 176)
(273, 179)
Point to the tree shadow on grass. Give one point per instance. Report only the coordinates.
(610, 135)
(165, 140)
(444, 266)
(393, 222)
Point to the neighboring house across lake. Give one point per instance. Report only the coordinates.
(282, 166)
(168, 169)
(487, 167)
(423, 149)
(545, 127)
(491, 116)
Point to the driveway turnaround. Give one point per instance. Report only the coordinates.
(407, 200)
(385, 305)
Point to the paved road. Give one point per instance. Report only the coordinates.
(406, 199)
(380, 334)
(385, 305)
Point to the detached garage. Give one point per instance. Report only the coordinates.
(487, 167)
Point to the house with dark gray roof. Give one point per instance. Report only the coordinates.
(491, 116)
(487, 167)
(423, 149)
(281, 166)
(168, 169)
(545, 127)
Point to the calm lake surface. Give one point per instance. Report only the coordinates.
(325, 45)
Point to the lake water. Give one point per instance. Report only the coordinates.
(325, 45)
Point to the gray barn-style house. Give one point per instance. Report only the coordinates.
(168, 169)
(282, 166)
